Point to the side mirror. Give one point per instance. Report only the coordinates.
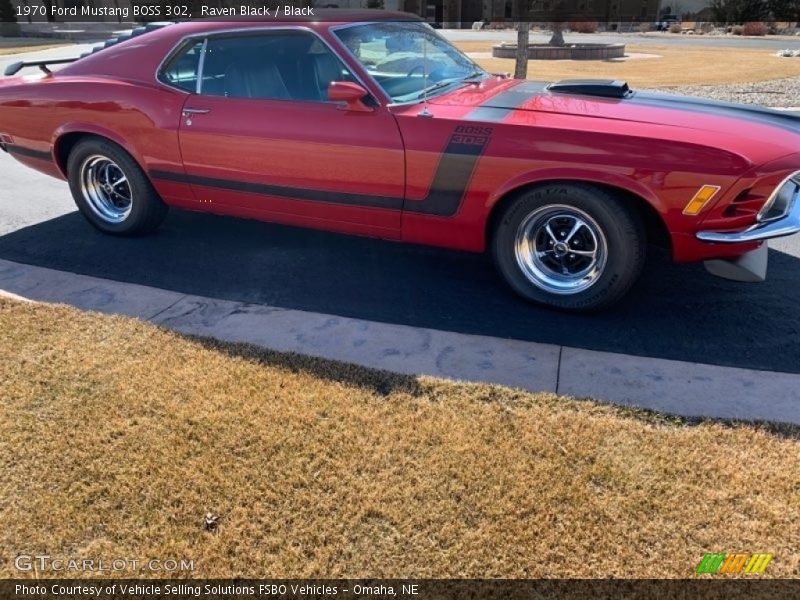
(351, 93)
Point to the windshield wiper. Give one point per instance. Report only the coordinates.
(477, 74)
(473, 77)
(437, 86)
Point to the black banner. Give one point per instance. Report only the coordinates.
(420, 589)
(778, 15)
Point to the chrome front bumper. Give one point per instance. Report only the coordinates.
(785, 225)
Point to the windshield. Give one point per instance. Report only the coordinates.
(408, 60)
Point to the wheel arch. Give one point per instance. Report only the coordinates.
(655, 227)
(68, 136)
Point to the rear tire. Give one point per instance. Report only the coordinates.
(111, 189)
(571, 246)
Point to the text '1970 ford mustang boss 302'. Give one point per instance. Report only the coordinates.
(378, 126)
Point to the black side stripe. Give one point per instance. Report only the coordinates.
(498, 107)
(282, 191)
(450, 182)
(754, 114)
(23, 151)
(452, 177)
(488, 114)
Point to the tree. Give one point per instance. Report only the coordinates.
(739, 11)
(557, 39)
(556, 13)
(523, 36)
(560, 11)
(8, 19)
(784, 10)
(48, 6)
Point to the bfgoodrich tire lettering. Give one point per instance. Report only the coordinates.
(111, 190)
(571, 246)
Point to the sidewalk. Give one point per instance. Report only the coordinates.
(674, 387)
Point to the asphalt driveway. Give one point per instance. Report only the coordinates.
(676, 311)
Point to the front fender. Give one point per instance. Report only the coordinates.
(622, 182)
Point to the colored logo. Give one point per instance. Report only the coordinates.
(730, 564)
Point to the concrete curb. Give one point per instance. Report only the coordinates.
(675, 387)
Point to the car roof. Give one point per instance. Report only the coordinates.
(322, 18)
(114, 57)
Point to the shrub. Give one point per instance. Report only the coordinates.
(754, 28)
(584, 26)
(737, 30)
(675, 28)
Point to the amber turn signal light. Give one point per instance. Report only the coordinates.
(701, 198)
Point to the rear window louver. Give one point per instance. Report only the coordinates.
(128, 35)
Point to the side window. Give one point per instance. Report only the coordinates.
(285, 65)
(181, 70)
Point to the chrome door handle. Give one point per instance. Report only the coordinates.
(195, 111)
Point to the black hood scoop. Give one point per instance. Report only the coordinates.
(603, 88)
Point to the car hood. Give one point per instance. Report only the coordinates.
(738, 126)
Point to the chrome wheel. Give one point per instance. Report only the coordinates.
(561, 249)
(106, 189)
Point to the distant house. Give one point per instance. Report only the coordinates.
(457, 12)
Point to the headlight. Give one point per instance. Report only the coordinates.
(780, 202)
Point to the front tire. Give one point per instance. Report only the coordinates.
(111, 190)
(570, 246)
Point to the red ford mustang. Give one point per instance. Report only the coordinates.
(382, 128)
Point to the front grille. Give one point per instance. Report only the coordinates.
(780, 202)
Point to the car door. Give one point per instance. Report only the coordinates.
(260, 138)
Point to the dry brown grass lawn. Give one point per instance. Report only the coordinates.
(116, 438)
(677, 66)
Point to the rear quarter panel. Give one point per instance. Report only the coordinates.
(112, 93)
(40, 111)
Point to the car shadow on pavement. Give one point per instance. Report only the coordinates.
(381, 383)
(675, 311)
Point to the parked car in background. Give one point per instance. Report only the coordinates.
(667, 21)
